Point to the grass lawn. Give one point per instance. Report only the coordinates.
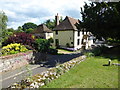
(88, 74)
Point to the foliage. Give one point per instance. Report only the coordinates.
(3, 26)
(102, 19)
(51, 23)
(23, 38)
(89, 54)
(51, 40)
(19, 29)
(52, 51)
(99, 50)
(42, 45)
(10, 31)
(13, 49)
(112, 41)
(29, 27)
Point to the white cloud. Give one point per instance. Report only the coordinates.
(37, 11)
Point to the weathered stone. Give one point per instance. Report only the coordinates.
(14, 61)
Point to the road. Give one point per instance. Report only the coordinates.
(8, 78)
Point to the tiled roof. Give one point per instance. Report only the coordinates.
(67, 24)
(42, 29)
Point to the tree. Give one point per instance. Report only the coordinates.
(3, 26)
(19, 29)
(10, 31)
(102, 19)
(51, 23)
(27, 26)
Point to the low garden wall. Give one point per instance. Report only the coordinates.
(11, 62)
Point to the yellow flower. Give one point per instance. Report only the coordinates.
(17, 48)
(8, 49)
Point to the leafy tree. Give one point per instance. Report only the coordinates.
(3, 26)
(102, 19)
(29, 30)
(51, 23)
(19, 29)
(28, 27)
(10, 31)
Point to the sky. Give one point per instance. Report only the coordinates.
(38, 11)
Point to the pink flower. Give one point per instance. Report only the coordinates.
(24, 54)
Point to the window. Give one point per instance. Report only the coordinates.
(56, 32)
(78, 41)
(83, 32)
(78, 33)
(82, 41)
(71, 42)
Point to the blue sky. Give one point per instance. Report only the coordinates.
(38, 11)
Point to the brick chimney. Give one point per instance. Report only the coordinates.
(56, 20)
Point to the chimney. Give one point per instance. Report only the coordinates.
(56, 20)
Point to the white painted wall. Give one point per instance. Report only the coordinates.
(76, 37)
(48, 35)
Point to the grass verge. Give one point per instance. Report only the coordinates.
(89, 74)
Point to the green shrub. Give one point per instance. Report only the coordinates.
(13, 49)
(89, 54)
(99, 50)
(42, 45)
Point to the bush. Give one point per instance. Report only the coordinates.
(52, 51)
(89, 54)
(99, 50)
(13, 49)
(42, 45)
(23, 38)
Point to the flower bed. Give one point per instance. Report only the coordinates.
(52, 73)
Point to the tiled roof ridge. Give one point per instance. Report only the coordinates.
(71, 21)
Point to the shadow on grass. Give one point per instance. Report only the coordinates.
(111, 56)
(112, 53)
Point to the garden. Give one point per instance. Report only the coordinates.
(23, 48)
(94, 72)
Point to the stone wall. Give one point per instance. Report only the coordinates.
(11, 62)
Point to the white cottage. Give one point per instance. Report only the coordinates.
(43, 32)
(66, 35)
